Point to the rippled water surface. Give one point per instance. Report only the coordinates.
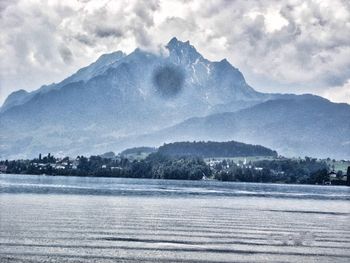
(72, 219)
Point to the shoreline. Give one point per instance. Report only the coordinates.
(161, 179)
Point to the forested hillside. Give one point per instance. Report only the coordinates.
(215, 149)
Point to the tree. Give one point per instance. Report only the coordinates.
(319, 177)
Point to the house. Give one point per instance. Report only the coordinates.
(336, 178)
(58, 166)
(75, 163)
(3, 168)
(332, 175)
(213, 162)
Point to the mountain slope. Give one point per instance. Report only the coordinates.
(121, 95)
(101, 65)
(295, 126)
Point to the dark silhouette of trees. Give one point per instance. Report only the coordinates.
(215, 149)
(319, 177)
(161, 166)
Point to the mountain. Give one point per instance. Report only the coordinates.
(101, 65)
(303, 125)
(14, 99)
(115, 101)
(121, 95)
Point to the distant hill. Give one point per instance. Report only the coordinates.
(138, 151)
(108, 155)
(304, 125)
(214, 149)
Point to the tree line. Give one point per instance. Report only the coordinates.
(282, 170)
(156, 166)
(160, 166)
(212, 149)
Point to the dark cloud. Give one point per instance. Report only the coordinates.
(108, 28)
(66, 54)
(108, 32)
(85, 39)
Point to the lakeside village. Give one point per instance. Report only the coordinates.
(157, 166)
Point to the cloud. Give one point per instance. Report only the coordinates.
(338, 94)
(280, 46)
(309, 46)
(66, 54)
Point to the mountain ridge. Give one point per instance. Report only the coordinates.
(122, 96)
(269, 122)
(172, 46)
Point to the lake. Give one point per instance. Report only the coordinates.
(82, 219)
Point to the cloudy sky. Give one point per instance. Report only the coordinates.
(288, 46)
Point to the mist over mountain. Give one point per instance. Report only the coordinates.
(112, 103)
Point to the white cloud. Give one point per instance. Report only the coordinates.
(338, 94)
(285, 46)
